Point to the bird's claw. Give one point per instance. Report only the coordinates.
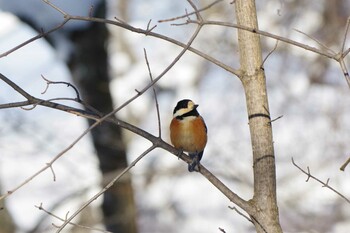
(179, 154)
(195, 163)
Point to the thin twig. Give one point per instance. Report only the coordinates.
(345, 34)
(277, 118)
(189, 14)
(198, 15)
(317, 41)
(40, 207)
(273, 50)
(149, 29)
(55, 7)
(110, 184)
(342, 168)
(48, 82)
(240, 213)
(41, 35)
(270, 35)
(154, 94)
(246, 217)
(52, 171)
(326, 185)
(345, 71)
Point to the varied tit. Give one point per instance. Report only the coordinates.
(188, 131)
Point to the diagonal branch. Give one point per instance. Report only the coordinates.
(189, 14)
(40, 207)
(154, 94)
(148, 32)
(342, 168)
(271, 35)
(156, 141)
(326, 185)
(338, 57)
(110, 184)
(41, 35)
(36, 101)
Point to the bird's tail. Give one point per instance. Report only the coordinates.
(196, 157)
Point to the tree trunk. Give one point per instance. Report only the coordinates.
(6, 222)
(264, 201)
(89, 66)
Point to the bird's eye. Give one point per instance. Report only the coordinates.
(190, 105)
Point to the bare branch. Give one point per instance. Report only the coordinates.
(277, 118)
(240, 213)
(48, 82)
(189, 14)
(321, 182)
(246, 217)
(149, 29)
(345, 35)
(110, 184)
(155, 94)
(41, 35)
(122, 24)
(270, 35)
(342, 168)
(40, 207)
(198, 16)
(269, 54)
(317, 41)
(337, 57)
(55, 7)
(52, 171)
(345, 70)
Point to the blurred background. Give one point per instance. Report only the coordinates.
(107, 64)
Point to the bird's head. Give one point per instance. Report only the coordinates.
(185, 108)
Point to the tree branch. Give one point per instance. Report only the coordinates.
(148, 32)
(339, 57)
(40, 207)
(110, 184)
(342, 168)
(326, 185)
(189, 14)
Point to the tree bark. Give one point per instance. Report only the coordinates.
(265, 216)
(89, 66)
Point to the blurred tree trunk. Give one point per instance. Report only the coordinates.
(265, 216)
(334, 14)
(89, 66)
(6, 223)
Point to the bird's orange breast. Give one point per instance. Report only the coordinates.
(188, 135)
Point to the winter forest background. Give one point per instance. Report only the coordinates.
(308, 96)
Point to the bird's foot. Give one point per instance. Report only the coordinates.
(195, 163)
(179, 154)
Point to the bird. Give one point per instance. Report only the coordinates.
(188, 131)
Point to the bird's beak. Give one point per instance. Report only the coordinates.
(195, 106)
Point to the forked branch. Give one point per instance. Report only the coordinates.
(324, 184)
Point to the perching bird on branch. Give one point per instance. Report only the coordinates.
(188, 131)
